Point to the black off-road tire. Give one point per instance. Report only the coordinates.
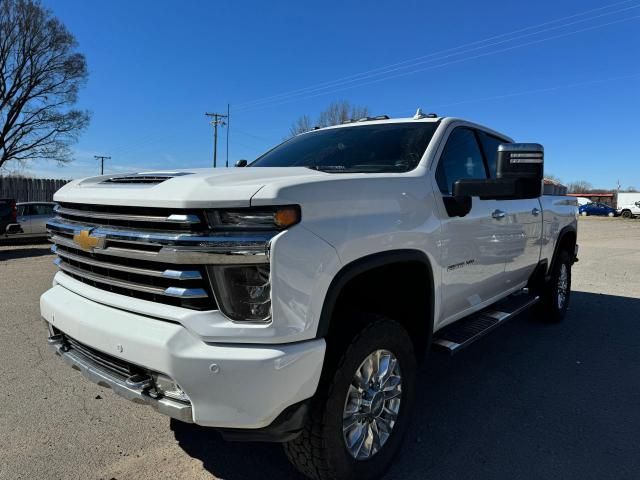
(551, 308)
(626, 214)
(320, 452)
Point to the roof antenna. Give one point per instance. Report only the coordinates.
(420, 115)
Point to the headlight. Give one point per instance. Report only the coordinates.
(243, 292)
(262, 218)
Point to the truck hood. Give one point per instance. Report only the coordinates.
(188, 188)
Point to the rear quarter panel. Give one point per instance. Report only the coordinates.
(559, 212)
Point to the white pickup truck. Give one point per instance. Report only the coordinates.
(291, 300)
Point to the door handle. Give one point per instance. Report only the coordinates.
(498, 214)
(535, 212)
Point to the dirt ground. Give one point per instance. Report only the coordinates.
(529, 401)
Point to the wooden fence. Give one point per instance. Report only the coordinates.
(29, 189)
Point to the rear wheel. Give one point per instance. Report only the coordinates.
(362, 409)
(556, 293)
(626, 214)
(584, 214)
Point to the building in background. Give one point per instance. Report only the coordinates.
(608, 198)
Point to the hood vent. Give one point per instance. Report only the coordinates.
(149, 178)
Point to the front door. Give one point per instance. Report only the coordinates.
(472, 248)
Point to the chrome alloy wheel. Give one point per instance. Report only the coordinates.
(372, 404)
(563, 285)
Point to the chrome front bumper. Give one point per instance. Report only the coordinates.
(98, 374)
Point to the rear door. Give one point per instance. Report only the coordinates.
(523, 223)
(473, 248)
(24, 217)
(42, 212)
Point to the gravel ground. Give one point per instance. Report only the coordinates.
(529, 401)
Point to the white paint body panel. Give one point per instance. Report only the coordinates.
(254, 384)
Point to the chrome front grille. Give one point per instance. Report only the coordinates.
(155, 254)
(179, 285)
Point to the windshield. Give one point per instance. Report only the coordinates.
(389, 147)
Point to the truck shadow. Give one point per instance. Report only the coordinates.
(531, 400)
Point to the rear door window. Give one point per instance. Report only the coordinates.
(42, 209)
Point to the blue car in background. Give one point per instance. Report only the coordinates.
(597, 209)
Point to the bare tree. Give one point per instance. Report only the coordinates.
(335, 114)
(552, 177)
(580, 186)
(339, 112)
(301, 125)
(40, 75)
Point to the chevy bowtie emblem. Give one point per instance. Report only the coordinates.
(87, 242)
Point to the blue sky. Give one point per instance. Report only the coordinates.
(562, 73)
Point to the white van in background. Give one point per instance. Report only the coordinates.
(583, 201)
(628, 204)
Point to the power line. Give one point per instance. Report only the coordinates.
(217, 119)
(356, 80)
(529, 92)
(102, 158)
(452, 62)
(338, 81)
(414, 61)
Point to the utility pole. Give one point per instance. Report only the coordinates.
(228, 128)
(217, 119)
(102, 158)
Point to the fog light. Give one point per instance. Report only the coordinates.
(243, 292)
(168, 388)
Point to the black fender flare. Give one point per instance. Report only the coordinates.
(369, 262)
(569, 229)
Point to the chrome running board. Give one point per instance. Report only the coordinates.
(468, 330)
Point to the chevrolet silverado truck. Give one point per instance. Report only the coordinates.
(291, 300)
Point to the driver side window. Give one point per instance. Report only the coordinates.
(461, 158)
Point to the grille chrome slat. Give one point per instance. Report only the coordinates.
(172, 274)
(188, 293)
(173, 218)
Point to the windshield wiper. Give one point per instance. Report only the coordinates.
(358, 168)
(322, 168)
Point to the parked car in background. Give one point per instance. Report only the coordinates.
(628, 204)
(8, 214)
(32, 218)
(597, 209)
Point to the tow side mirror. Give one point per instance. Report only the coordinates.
(519, 174)
(241, 163)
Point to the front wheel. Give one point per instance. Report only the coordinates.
(556, 293)
(611, 214)
(584, 214)
(626, 214)
(362, 410)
